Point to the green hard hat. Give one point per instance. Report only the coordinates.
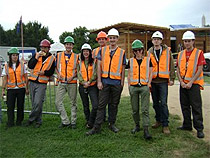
(13, 50)
(69, 39)
(137, 44)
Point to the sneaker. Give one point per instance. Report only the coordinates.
(64, 125)
(166, 130)
(156, 125)
(184, 128)
(113, 128)
(200, 134)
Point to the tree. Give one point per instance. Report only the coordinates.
(81, 35)
(2, 36)
(33, 33)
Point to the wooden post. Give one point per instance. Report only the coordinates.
(146, 40)
(129, 52)
(21, 29)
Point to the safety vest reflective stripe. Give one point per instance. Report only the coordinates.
(41, 66)
(144, 71)
(166, 72)
(50, 63)
(117, 73)
(95, 52)
(15, 78)
(59, 62)
(189, 69)
(183, 55)
(83, 71)
(70, 68)
(164, 61)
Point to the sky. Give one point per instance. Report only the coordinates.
(65, 15)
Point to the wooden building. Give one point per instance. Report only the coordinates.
(131, 31)
(202, 39)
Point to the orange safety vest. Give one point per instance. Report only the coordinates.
(161, 68)
(68, 70)
(144, 71)
(112, 67)
(41, 66)
(87, 73)
(95, 52)
(15, 78)
(189, 69)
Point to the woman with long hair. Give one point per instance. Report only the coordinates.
(15, 80)
(87, 84)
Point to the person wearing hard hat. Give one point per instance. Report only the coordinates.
(163, 75)
(42, 65)
(87, 76)
(102, 41)
(139, 82)
(111, 74)
(66, 69)
(190, 63)
(15, 80)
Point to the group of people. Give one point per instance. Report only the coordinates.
(101, 75)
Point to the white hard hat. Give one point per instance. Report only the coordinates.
(86, 46)
(188, 35)
(157, 34)
(57, 47)
(113, 32)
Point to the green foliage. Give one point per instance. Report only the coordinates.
(2, 36)
(81, 35)
(33, 33)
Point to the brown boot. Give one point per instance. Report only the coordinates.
(156, 125)
(166, 130)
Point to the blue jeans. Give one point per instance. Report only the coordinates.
(159, 97)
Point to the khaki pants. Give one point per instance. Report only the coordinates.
(140, 95)
(60, 94)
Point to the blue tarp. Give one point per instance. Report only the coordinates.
(181, 26)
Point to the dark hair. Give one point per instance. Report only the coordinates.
(10, 61)
(90, 59)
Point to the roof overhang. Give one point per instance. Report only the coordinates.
(124, 27)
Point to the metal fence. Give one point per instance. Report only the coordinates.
(49, 101)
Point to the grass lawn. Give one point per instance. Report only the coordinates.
(49, 141)
(207, 79)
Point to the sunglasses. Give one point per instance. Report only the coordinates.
(136, 50)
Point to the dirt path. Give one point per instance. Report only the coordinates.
(174, 105)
